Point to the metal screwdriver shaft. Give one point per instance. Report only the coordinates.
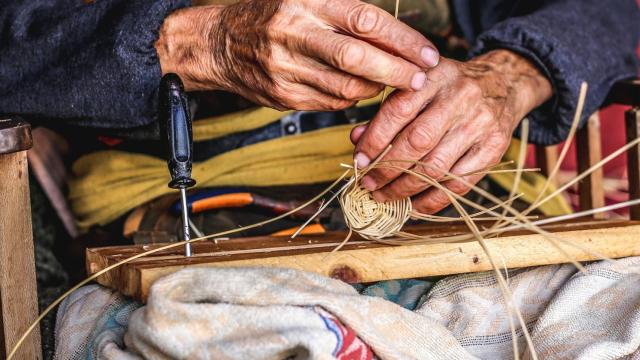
(175, 120)
(185, 221)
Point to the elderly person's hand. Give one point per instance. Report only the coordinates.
(298, 54)
(461, 122)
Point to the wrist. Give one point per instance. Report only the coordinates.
(183, 47)
(526, 86)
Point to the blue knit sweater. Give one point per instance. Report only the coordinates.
(94, 64)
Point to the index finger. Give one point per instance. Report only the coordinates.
(378, 27)
(399, 110)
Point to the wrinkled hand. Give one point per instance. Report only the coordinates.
(299, 54)
(461, 123)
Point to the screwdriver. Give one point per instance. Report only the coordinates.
(175, 121)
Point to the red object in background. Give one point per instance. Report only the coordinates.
(613, 136)
(612, 128)
(110, 141)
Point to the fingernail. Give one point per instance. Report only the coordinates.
(357, 132)
(430, 56)
(418, 81)
(369, 183)
(362, 160)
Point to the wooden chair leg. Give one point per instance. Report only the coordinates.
(589, 151)
(18, 295)
(546, 159)
(632, 118)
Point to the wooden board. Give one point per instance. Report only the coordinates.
(632, 120)
(365, 261)
(546, 159)
(589, 152)
(18, 298)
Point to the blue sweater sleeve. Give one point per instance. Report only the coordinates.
(570, 40)
(87, 62)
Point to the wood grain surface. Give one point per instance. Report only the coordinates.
(18, 297)
(365, 261)
(589, 152)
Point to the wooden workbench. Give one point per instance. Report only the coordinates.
(366, 261)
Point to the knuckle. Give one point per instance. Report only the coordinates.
(369, 89)
(501, 143)
(484, 113)
(471, 89)
(350, 89)
(485, 117)
(432, 202)
(364, 19)
(379, 131)
(493, 145)
(440, 199)
(420, 139)
(348, 55)
(412, 186)
(337, 104)
(332, 104)
(458, 187)
(435, 167)
(383, 176)
(400, 106)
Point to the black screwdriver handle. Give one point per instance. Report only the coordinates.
(175, 119)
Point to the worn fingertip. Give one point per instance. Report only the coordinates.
(419, 81)
(356, 133)
(430, 56)
(362, 160)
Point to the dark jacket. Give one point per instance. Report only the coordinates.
(93, 62)
(571, 41)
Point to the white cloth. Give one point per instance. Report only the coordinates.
(266, 313)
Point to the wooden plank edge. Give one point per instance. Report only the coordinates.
(414, 261)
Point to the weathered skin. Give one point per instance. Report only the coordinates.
(297, 54)
(461, 122)
(325, 55)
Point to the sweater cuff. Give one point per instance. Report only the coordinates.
(135, 51)
(549, 123)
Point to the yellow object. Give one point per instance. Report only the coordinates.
(107, 184)
(235, 122)
(215, 127)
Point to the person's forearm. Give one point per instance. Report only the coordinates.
(182, 45)
(89, 64)
(520, 82)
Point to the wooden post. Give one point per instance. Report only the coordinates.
(632, 118)
(18, 295)
(546, 159)
(589, 151)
